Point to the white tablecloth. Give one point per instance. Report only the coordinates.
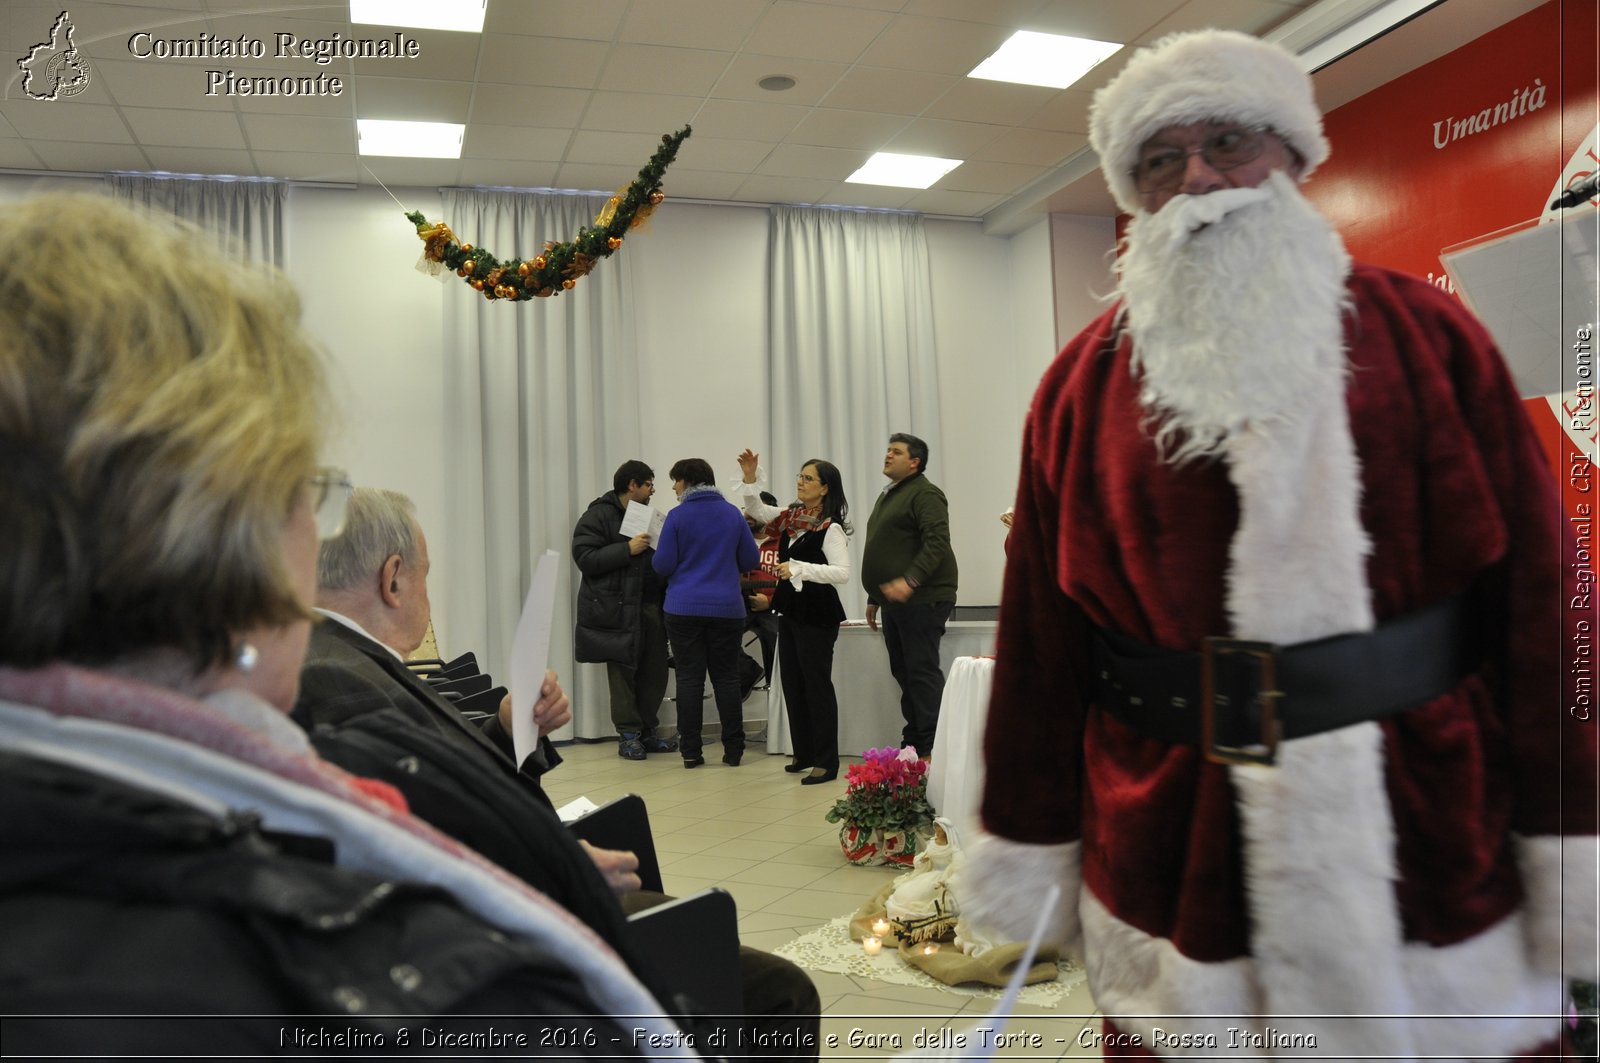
(869, 698)
(955, 778)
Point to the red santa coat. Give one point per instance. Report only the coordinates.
(1411, 866)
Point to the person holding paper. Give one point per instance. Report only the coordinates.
(704, 546)
(813, 560)
(619, 621)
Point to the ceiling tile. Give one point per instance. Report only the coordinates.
(1123, 21)
(411, 100)
(893, 91)
(515, 142)
(135, 83)
(101, 30)
(517, 60)
(67, 120)
(794, 160)
(638, 112)
(717, 153)
(813, 79)
(847, 129)
(509, 174)
(998, 177)
(440, 54)
(717, 24)
(186, 129)
(308, 166)
(1247, 16)
(597, 177)
(957, 204)
(932, 45)
(764, 189)
(202, 160)
(813, 31)
(875, 5)
(738, 120)
(1065, 112)
(1011, 13)
(101, 158)
(16, 153)
(595, 20)
(880, 196)
(992, 102)
(652, 68)
(293, 132)
(950, 140)
(701, 184)
(618, 148)
(1035, 147)
(532, 105)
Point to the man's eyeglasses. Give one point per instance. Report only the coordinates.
(330, 500)
(1160, 168)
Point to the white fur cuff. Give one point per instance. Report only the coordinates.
(1559, 878)
(1003, 883)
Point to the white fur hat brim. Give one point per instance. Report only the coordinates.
(1207, 75)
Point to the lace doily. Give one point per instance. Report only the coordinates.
(829, 948)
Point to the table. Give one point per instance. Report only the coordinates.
(869, 698)
(955, 777)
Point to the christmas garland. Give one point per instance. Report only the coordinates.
(558, 266)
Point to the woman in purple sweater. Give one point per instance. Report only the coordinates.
(705, 545)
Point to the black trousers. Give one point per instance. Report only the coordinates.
(805, 664)
(911, 634)
(702, 644)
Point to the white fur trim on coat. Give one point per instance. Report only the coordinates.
(1561, 879)
(1197, 77)
(1474, 1000)
(998, 872)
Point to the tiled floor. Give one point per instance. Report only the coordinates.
(756, 832)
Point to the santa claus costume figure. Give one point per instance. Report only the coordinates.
(1306, 771)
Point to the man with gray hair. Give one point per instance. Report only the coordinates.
(1278, 694)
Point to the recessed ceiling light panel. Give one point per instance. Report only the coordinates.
(412, 140)
(902, 171)
(463, 15)
(1047, 59)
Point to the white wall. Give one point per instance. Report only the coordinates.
(700, 283)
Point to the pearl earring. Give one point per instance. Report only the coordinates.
(247, 658)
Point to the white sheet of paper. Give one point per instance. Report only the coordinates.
(575, 809)
(530, 649)
(657, 519)
(635, 519)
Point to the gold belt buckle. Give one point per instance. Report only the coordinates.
(1266, 752)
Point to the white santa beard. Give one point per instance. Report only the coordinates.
(1233, 301)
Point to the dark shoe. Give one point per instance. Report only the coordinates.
(819, 776)
(693, 762)
(652, 744)
(629, 747)
(794, 767)
(732, 759)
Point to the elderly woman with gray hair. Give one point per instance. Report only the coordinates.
(172, 843)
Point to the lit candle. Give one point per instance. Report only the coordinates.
(872, 945)
(930, 948)
(880, 927)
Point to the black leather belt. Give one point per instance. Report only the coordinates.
(1237, 700)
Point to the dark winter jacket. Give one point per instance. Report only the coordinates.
(615, 583)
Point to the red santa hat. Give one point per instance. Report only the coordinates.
(1208, 75)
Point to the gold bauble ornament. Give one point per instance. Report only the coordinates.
(466, 247)
(569, 283)
(614, 242)
(522, 269)
(656, 197)
(539, 263)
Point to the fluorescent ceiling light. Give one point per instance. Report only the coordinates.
(902, 171)
(1047, 59)
(414, 140)
(463, 15)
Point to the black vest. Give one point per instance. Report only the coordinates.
(814, 603)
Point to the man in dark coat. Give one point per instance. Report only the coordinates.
(620, 623)
(370, 714)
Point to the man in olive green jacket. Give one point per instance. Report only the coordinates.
(909, 571)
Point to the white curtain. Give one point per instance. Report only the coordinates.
(245, 216)
(543, 405)
(852, 352)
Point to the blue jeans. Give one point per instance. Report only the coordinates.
(911, 634)
(702, 644)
